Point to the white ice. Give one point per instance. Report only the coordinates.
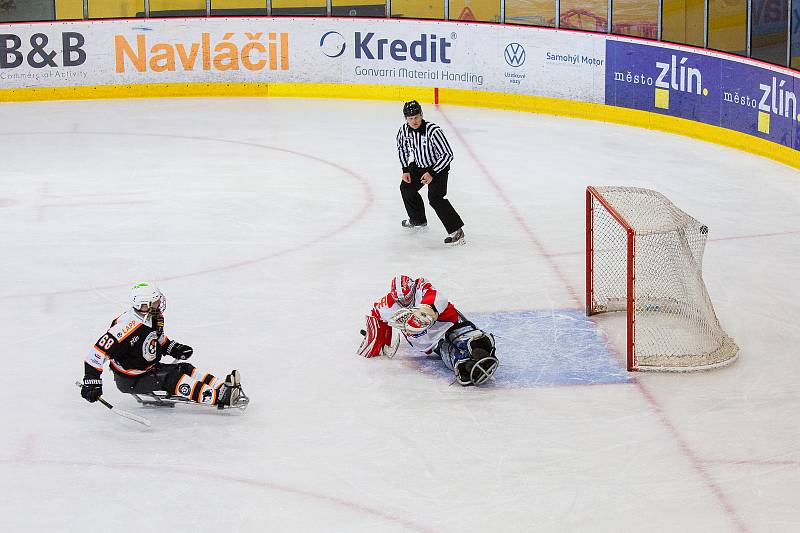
(272, 225)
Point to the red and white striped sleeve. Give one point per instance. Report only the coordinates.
(383, 308)
(430, 296)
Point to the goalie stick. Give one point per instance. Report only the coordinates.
(378, 339)
(125, 414)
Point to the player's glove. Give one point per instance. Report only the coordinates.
(179, 351)
(92, 389)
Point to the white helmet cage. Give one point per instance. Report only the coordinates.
(147, 298)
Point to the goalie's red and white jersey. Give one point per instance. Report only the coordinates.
(426, 294)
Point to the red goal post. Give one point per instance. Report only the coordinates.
(644, 256)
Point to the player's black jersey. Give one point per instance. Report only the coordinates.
(132, 346)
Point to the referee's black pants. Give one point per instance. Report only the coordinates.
(437, 190)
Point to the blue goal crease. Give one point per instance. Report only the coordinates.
(542, 348)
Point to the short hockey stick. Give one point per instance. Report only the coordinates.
(125, 414)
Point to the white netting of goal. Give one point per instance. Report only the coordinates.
(674, 326)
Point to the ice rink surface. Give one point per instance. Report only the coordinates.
(272, 224)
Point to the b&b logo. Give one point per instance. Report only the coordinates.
(39, 55)
(514, 55)
(429, 48)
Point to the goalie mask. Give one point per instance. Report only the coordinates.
(403, 289)
(147, 298)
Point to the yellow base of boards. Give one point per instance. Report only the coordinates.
(514, 102)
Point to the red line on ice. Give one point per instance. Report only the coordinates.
(348, 224)
(262, 484)
(682, 445)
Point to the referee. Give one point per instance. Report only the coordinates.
(425, 156)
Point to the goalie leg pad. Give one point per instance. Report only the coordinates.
(377, 335)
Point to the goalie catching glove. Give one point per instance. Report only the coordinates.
(414, 320)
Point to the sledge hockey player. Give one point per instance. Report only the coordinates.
(134, 346)
(432, 325)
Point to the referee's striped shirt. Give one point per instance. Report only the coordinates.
(426, 146)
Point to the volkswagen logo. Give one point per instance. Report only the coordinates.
(514, 54)
(332, 44)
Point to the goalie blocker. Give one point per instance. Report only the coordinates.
(377, 339)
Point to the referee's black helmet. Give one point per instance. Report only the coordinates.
(412, 108)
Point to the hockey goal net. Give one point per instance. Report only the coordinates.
(644, 256)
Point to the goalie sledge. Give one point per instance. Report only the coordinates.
(432, 325)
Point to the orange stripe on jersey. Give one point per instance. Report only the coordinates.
(127, 334)
(100, 351)
(178, 384)
(130, 327)
(131, 372)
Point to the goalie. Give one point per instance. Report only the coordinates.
(432, 325)
(134, 345)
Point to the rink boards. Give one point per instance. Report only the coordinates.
(708, 95)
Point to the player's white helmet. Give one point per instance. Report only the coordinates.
(403, 289)
(147, 298)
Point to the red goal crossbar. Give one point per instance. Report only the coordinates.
(591, 192)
